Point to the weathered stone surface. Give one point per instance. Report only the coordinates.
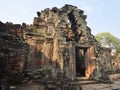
(53, 51)
(102, 86)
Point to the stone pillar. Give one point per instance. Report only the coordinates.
(72, 67)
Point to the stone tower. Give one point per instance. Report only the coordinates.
(57, 47)
(60, 40)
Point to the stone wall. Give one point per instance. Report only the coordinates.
(53, 39)
(58, 46)
(13, 55)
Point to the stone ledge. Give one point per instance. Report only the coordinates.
(114, 76)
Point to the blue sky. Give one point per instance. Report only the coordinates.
(102, 15)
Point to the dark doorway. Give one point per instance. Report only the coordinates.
(80, 61)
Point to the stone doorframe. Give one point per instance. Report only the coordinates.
(86, 59)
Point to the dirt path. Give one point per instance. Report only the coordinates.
(101, 86)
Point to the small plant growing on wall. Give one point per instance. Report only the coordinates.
(34, 28)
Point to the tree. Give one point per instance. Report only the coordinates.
(107, 39)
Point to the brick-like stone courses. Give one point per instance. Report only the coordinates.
(57, 47)
(13, 52)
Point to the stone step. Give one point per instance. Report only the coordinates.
(85, 82)
(81, 78)
(102, 86)
(114, 76)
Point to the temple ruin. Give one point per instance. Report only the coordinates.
(55, 50)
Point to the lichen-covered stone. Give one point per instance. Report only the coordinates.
(57, 47)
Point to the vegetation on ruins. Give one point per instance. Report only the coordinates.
(34, 28)
(106, 39)
(54, 52)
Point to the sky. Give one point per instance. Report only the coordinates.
(102, 15)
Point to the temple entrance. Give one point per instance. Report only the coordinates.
(81, 54)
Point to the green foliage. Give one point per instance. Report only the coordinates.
(107, 38)
(118, 51)
(34, 28)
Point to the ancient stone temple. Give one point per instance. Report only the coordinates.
(56, 49)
